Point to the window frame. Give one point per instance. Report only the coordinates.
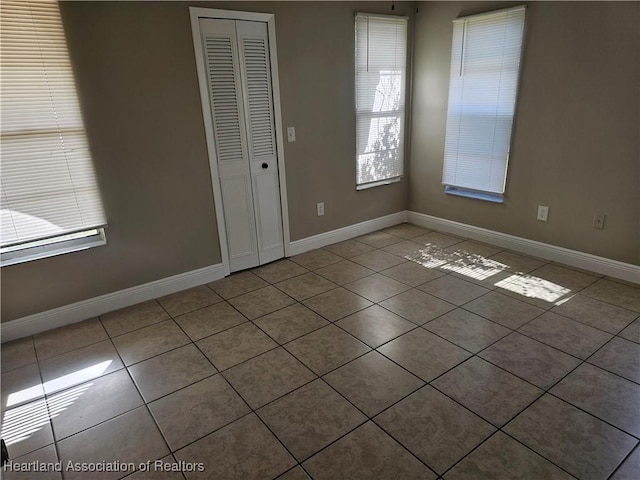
(451, 188)
(401, 112)
(65, 120)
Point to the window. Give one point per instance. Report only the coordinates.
(485, 65)
(381, 56)
(50, 202)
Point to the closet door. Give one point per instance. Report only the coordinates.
(239, 80)
(255, 72)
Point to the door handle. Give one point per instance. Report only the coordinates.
(265, 166)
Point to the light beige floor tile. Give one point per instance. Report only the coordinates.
(326, 349)
(79, 366)
(366, 453)
(267, 377)
(375, 325)
(132, 318)
(435, 428)
(316, 259)
(412, 274)
(595, 313)
(630, 468)
(467, 330)
(344, 272)
(406, 230)
(632, 332)
(170, 371)
(502, 458)
(604, 395)
(279, 270)
(20, 386)
(424, 354)
(64, 339)
(529, 359)
(482, 271)
(489, 391)
(504, 310)
(305, 286)
(417, 307)
(210, 320)
(290, 323)
(336, 304)
(18, 353)
(372, 382)
(311, 417)
(88, 404)
(377, 260)
(453, 290)
(26, 428)
(189, 300)
(261, 302)
(516, 262)
(349, 248)
(378, 239)
(237, 284)
(537, 291)
(437, 239)
(377, 288)
(575, 441)
(235, 345)
(163, 469)
(129, 438)
(149, 341)
(197, 410)
(40, 457)
(407, 249)
(565, 277)
(560, 332)
(470, 247)
(296, 473)
(621, 357)
(243, 450)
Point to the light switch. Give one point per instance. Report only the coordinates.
(291, 134)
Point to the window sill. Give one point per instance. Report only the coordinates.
(37, 251)
(389, 181)
(487, 197)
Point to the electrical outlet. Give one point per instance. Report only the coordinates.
(598, 220)
(320, 208)
(543, 213)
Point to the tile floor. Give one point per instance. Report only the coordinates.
(400, 354)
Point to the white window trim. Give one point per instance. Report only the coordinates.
(464, 191)
(402, 112)
(51, 247)
(44, 142)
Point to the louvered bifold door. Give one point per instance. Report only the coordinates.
(231, 147)
(255, 69)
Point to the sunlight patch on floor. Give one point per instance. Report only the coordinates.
(533, 287)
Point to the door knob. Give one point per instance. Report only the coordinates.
(265, 166)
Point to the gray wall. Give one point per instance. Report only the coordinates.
(136, 76)
(575, 143)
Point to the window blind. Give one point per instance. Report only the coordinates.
(485, 64)
(48, 185)
(381, 54)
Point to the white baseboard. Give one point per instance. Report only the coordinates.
(345, 233)
(604, 266)
(76, 312)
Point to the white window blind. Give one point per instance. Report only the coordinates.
(485, 64)
(381, 55)
(47, 179)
